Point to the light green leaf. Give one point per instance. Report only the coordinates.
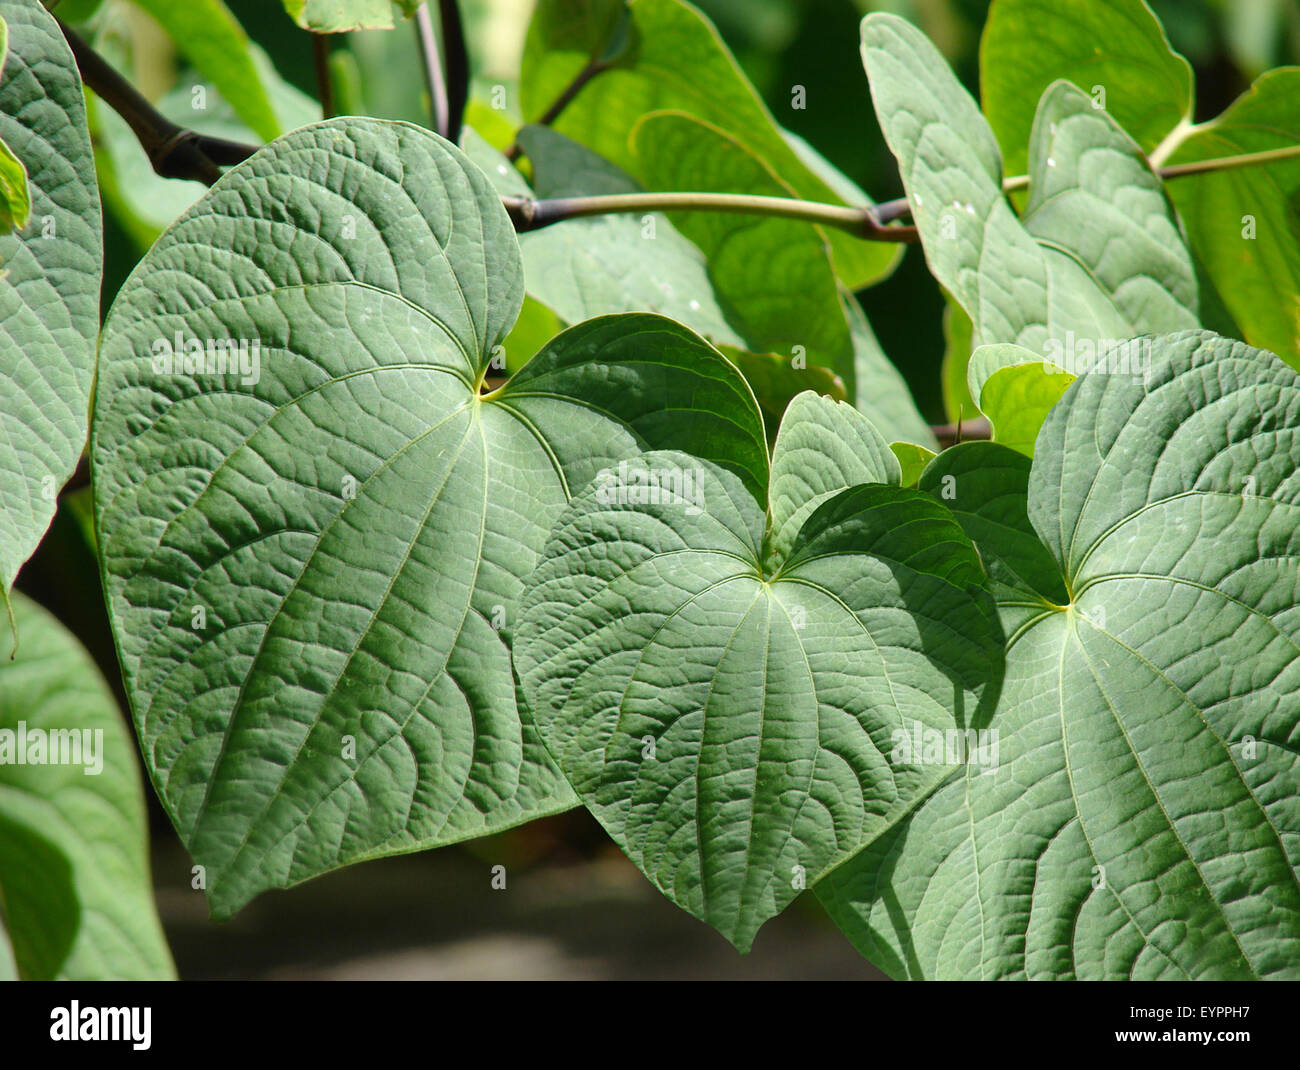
(210, 37)
(912, 460)
(1245, 223)
(729, 724)
(535, 326)
(1139, 820)
(669, 58)
(566, 36)
(75, 886)
(344, 16)
(1098, 254)
(49, 289)
(312, 569)
(1017, 400)
(1016, 389)
(15, 197)
(1113, 50)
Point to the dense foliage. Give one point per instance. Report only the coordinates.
(441, 481)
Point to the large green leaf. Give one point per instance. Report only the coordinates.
(1141, 819)
(668, 57)
(1097, 255)
(207, 33)
(1114, 50)
(49, 283)
(726, 708)
(75, 892)
(331, 550)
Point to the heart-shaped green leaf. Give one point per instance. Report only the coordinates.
(731, 720)
(75, 893)
(49, 283)
(1097, 255)
(312, 560)
(1141, 819)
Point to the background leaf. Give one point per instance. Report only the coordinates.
(1118, 45)
(1097, 254)
(773, 275)
(210, 37)
(75, 891)
(344, 16)
(1028, 44)
(672, 59)
(1245, 223)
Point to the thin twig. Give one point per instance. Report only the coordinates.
(528, 213)
(432, 60)
(1229, 163)
(593, 68)
(961, 431)
(320, 50)
(456, 58)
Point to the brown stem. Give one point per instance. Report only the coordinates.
(173, 151)
(593, 68)
(528, 213)
(320, 50)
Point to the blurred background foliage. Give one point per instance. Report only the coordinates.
(583, 910)
(780, 44)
